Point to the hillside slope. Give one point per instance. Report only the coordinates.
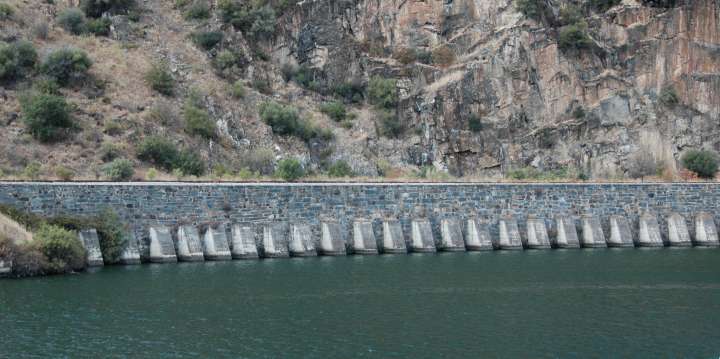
(467, 87)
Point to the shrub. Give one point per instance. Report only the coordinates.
(29, 261)
(64, 173)
(578, 113)
(334, 110)
(119, 169)
(73, 21)
(383, 92)
(574, 37)
(533, 9)
(207, 39)
(190, 163)
(6, 11)
(603, 5)
(25, 52)
(643, 164)
(284, 120)
(32, 170)
(46, 85)
(262, 85)
(350, 92)
(340, 169)
(41, 30)
(704, 163)
(570, 14)
(669, 97)
(474, 123)
(225, 59)
(109, 152)
(443, 56)
(61, 247)
(160, 79)
(289, 170)
(257, 22)
(158, 151)
(99, 27)
(96, 8)
(389, 125)
(261, 161)
(47, 117)
(66, 65)
(111, 233)
(16, 58)
(238, 90)
(199, 9)
(405, 55)
(198, 122)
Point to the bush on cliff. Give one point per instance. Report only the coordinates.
(285, 120)
(96, 8)
(574, 37)
(66, 65)
(47, 117)
(164, 154)
(61, 247)
(290, 170)
(73, 21)
(383, 92)
(120, 169)
(160, 79)
(702, 162)
(16, 59)
(110, 230)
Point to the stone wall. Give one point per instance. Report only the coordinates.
(172, 204)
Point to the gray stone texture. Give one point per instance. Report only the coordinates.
(215, 243)
(451, 239)
(566, 233)
(649, 231)
(363, 239)
(510, 238)
(706, 234)
(477, 236)
(242, 242)
(187, 244)
(130, 254)
(393, 240)
(301, 242)
(593, 235)
(620, 233)
(332, 241)
(421, 236)
(161, 248)
(537, 234)
(678, 234)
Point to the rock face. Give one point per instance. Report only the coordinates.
(531, 103)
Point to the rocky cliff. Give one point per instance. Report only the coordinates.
(481, 87)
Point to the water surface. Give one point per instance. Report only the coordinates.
(561, 303)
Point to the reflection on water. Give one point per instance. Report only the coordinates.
(560, 303)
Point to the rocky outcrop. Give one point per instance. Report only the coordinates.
(537, 105)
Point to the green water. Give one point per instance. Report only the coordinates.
(575, 303)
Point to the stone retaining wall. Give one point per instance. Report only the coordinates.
(172, 204)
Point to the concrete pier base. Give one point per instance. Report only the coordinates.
(706, 234)
(5, 267)
(91, 242)
(275, 243)
(301, 243)
(188, 245)
(215, 244)
(620, 233)
(537, 236)
(332, 242)
(678, 234)
(422, 240)
(649, 232)
(130, 254)
(509, 234)
(393, 240)
(566, 236)
(477, 236)
(162, 249)
(593, 235)
(451, 236)
(242, 242)
(363, 241)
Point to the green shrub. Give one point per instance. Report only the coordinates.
(73, 21)
(66, 65)
(99, 27)
(27, 260)
(96, 8)
(284, 120)
(207, 39)
(578, 113)
(533, 9)
(261, 161)
(574, 37)
(225, 59)
(190, 163)
(258, 22)
(603, 5)
(383, 92)
(350, 92)
(199, 9)
(61, 247)
(32, 170)
(290, 170)
(16, 58)
(334, 110)
(47, 117)
(475, 123)
(198, 122)
(111, 233)
(25, 52)
(40, 30)
(109, 152)
(238, 90)
(570, 14)
(119, 170)
(389, 125)
(669, 97)
(340, 169)
(262, 85)
(704, 163)
(160, 79)
(64, 173)
(6, 11)
(158, 151)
